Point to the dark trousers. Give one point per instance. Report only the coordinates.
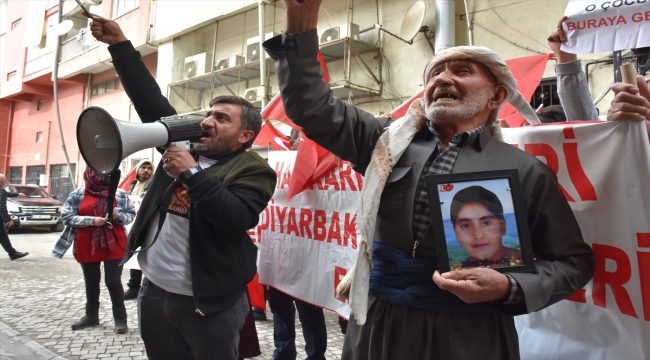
(172, 329)
(113, 281)
(284, 330)
(135, 279)
(4, 241)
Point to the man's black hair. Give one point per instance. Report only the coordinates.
(250, 117)
(475, 194)
(551, 114)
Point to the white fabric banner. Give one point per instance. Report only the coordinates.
(604, 170)
(599, 26)
(133, 261)
(308, 244)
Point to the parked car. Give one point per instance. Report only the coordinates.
(36, 208)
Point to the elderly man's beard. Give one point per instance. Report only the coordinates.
(472, 104)
(217, 146)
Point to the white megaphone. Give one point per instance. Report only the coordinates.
(104, 141)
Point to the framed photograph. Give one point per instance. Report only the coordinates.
(479, 220)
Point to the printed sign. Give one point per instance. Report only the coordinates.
(599, 26)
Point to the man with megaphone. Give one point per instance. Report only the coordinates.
(192, 302)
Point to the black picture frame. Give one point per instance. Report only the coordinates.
(499, 209)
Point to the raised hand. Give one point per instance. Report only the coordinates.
(555, 41)
(474, 285)
(105, 30)
(631, 102)
(301, 15)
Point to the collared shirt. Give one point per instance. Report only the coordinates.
(442, 161)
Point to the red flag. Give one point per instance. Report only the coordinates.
(126, 183)
(528, 71)
(270, 135)
(256, 293)
(402, 109)
(312, 161)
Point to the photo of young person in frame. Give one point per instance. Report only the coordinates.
(479, 233)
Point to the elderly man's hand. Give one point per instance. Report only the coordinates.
(105, 30)
(301, 15)
(555, 41)
(631, 102)
(474, 285)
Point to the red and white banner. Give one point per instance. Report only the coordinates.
(604, 170)
(598, 25)
(309, 243)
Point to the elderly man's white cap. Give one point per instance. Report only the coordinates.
(497, 66)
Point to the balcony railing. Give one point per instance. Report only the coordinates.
(77, 45)
(85, 41)
(39, 63)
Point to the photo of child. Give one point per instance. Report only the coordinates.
(479, 224)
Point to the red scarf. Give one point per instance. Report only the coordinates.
(102, 236)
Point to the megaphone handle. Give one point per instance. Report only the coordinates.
(112, 188)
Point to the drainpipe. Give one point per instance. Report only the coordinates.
(47, 144)
(11, 121)
(445, 27)
(55, 80)
(263, 80)
(470, 30)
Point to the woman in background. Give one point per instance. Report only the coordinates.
(95, 242)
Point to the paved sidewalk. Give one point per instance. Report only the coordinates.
(40, 296)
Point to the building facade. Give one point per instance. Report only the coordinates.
(203, 49)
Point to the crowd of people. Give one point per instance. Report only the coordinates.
(191, 240)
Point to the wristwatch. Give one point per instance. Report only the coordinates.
(189, 172)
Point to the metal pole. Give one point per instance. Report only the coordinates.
(470, 31)
(263, 80)
(445, 28)
(55, 78)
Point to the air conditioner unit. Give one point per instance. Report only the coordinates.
(340, 32)
(195, 65)
(253, 47)
(253, 94)
(232, 61)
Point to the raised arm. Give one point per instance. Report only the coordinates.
(572, 86)
(346, 131)
(139, 85)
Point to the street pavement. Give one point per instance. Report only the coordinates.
(41, 296)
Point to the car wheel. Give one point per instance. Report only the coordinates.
(58, 227)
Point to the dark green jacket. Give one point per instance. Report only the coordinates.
(226, 200)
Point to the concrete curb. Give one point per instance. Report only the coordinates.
(16, 346)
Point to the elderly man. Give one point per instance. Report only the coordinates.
(458, 315)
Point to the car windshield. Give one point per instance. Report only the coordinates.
(30, 192)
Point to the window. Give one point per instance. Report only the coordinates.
(16, 175)
(15, 25)
(34, 174)
(61, 185)
(11, 75)
(41, 105)
(39, 137)
(545, 94)
(105, 87)
(121, 7)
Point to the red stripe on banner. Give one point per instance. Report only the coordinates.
(569, 133)
(643, 239)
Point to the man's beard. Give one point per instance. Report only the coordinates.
(222, 146)
(472, 104)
